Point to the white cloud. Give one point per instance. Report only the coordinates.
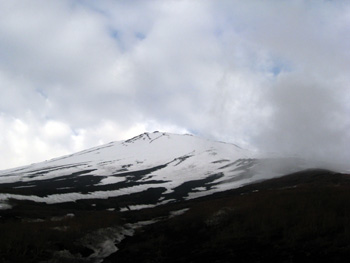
(55, 130)
(74, 74)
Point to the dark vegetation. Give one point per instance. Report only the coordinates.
(32, 240)
(303, 217)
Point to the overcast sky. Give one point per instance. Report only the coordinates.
(267, 75)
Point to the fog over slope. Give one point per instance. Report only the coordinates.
(308, 120)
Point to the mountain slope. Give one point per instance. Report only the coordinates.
(78, 208)
(174, 167)
(302, 217)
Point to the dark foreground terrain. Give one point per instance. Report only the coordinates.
(302, 217)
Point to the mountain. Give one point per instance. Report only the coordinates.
(172, 167)
(301, 217)
(80, 206)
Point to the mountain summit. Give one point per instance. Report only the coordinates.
(159, 167)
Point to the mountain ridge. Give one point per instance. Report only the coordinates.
(79, 207)
(168, 162)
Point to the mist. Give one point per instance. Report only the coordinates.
(268, 75)
(307, 119)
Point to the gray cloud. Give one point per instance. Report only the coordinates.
(267, 75)
(307, 118)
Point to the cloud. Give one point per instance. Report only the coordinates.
(269, 75)
(308, 118)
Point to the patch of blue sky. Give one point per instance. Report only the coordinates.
(140, 35)
(121, 39)
(278, 66)
(42, 93)
(114, 33)
(194, 132)
(117, 36)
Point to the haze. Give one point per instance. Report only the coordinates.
(271, 76)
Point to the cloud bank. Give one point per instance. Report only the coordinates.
(269, 75)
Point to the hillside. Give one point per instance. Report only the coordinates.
(303, 217)
(80, 207)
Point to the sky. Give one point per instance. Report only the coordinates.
(271, 75)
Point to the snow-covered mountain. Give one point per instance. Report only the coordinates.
(154, 168)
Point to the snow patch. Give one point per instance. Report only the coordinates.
(136, 207)
(111, 180)
(178, 212)
(4, 206)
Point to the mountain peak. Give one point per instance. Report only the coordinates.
(178, 166)
(146, 136)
